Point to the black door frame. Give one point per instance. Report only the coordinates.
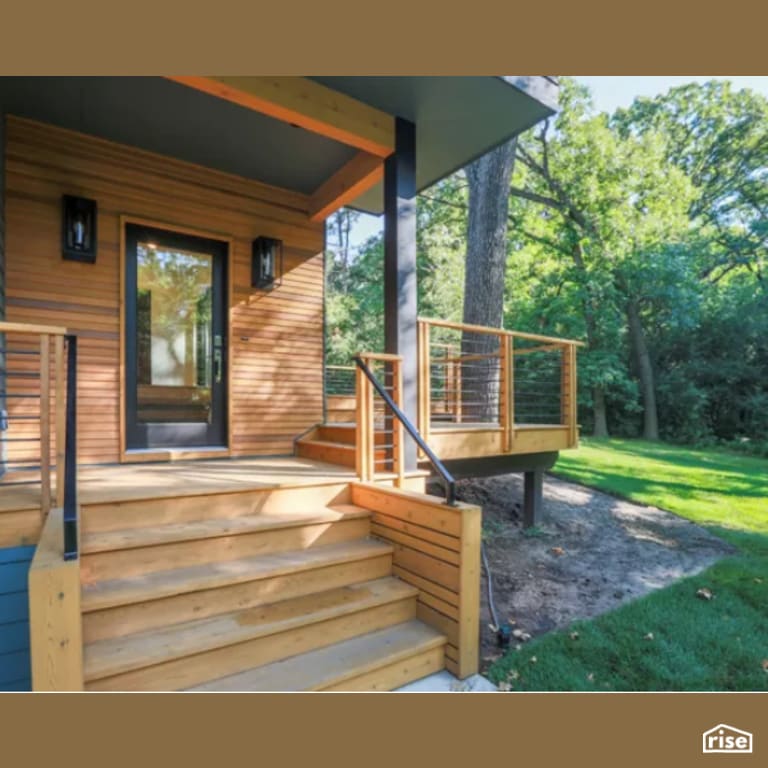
(189, 435)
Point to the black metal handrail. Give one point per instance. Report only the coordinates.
(449, 482)
(70, 454)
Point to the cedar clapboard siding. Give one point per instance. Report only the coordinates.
(275, 337)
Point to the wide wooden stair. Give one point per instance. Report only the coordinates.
(228, 593)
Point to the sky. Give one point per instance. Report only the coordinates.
(608, 94)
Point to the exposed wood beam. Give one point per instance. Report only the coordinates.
(350, 181)
(308, 104)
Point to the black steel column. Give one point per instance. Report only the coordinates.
(533, 485)
(400, 300)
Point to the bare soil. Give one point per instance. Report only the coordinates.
(591, 553)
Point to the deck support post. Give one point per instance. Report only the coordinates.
(400, 300)
(533, 482)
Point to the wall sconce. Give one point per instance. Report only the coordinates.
(79, 230)
(266, 263)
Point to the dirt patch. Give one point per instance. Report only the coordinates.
(592, 553)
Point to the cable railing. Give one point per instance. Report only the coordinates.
(379, 377)
(339, 390)
(38, 420)
(340, 380)
(475, 377)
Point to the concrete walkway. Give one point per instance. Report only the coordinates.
(445, 682)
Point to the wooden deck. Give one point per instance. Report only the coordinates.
(100, 485)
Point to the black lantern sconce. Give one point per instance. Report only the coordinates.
(78, 241)
(266, 263)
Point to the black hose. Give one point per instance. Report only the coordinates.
(489, 581)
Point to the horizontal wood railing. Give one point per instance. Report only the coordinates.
(38, 393)
(475, 377)
(437, 550)
(32, 398)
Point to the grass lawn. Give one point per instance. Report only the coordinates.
(672, 639)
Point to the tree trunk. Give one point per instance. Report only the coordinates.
(598, 409)
(645, 369)
(489, 179)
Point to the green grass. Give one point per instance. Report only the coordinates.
(671, 639)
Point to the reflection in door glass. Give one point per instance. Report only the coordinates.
(174, 334)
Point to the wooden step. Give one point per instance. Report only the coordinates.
(124, 554)
(324, 450)
(134, 538)
(337, 433)
(194, 652)
(330, 452)
(344, 433)
(379, 661)
(125, 606)
(183, 507)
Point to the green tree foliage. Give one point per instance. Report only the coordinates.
(645, 233)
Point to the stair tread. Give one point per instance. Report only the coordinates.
(132, 538)
(159, 584)
(112, 656)
(318, 669)
(327, 443)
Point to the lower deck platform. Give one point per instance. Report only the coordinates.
(102, 484)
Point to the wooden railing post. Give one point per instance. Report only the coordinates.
(569, 393)
(425, 381)
(398, 436)
(45, 424)
(573, 433)
(507, 394)
(565, 386)
(55, 628)
(362, 416)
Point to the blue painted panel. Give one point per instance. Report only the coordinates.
(16, 554)
(14, 607)
(14, 618)
(14, 637)
(13, 577)
(15, 665)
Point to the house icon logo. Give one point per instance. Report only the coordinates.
(727, 739)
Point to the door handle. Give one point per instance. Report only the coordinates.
(217, 366)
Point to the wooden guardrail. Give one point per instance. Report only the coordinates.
(437, 550)
(38, 391)
(479, 377)
(374, 456)
(32, 366)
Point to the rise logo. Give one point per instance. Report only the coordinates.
(726, 738)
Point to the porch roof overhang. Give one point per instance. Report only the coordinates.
(323, 137)
(458, 119)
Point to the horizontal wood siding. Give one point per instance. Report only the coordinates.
(275, 337)
(437, 550)
(14, 618)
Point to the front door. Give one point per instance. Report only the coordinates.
(175, 325)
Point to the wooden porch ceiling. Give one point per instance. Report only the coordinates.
(317, 108)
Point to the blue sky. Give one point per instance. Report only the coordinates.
(608, 94)
(612, 92)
